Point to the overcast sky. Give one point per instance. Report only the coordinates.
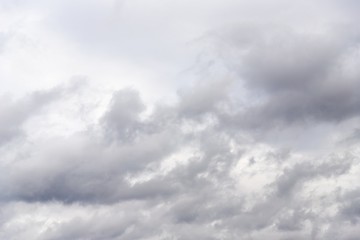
(179, 119)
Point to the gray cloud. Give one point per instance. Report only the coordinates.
(14, 113)
(127, 160)
(297, 77)
(123, 119)
(253, 149)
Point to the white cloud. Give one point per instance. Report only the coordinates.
(154, 119)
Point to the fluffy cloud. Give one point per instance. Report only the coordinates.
(257, 140)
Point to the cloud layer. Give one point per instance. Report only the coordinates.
(239, 121)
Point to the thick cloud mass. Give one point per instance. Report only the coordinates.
(239, 120)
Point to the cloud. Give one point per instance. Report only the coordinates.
(297, 77)
(14, 113)
(197, 194)
(257, 142)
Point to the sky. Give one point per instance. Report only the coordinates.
(179, 120)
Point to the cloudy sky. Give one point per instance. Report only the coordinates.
(179, 120)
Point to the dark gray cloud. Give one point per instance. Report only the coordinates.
(298, 77)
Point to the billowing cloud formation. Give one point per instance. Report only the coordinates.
(302, 76)
(258, 141)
